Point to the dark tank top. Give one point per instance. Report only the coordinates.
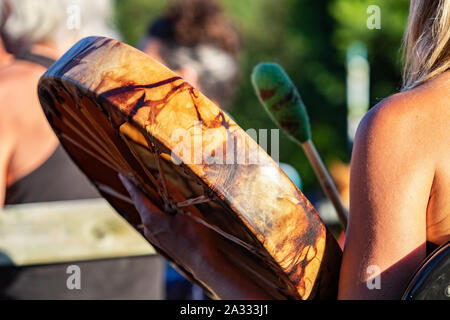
(57, 179)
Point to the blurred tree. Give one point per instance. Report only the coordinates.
(383, 45)
(309, 39)
(297, 35)
(133, 17)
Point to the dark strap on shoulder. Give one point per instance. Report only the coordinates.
(44, 61)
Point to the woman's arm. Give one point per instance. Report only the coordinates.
(193, 244)
(390, 181)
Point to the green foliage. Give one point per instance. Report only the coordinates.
(309, 39)
(384, 45)
(133, 16)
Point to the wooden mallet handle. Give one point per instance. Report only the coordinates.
(325, 181)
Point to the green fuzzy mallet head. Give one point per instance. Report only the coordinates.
(281, 100)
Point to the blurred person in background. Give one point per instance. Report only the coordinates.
(37, 33)
(195, 39)
(399, 179)
(33, 166)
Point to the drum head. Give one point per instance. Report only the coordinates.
(115, 110)
(432, 279)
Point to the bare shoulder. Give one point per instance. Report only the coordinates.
(18, 87)
(19, 73)
(416, 120)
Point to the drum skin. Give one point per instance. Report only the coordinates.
(432, 280)
(115, 109)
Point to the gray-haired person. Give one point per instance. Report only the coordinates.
(34, 167)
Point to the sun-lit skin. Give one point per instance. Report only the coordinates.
(399, 187)
(5, 57)
(25, 141)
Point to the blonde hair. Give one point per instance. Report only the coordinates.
(426, 41)
(35, 21)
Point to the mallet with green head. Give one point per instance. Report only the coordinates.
(282, 101)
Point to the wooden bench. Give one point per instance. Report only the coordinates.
(39, 241)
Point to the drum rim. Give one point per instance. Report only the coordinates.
(425, 269)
